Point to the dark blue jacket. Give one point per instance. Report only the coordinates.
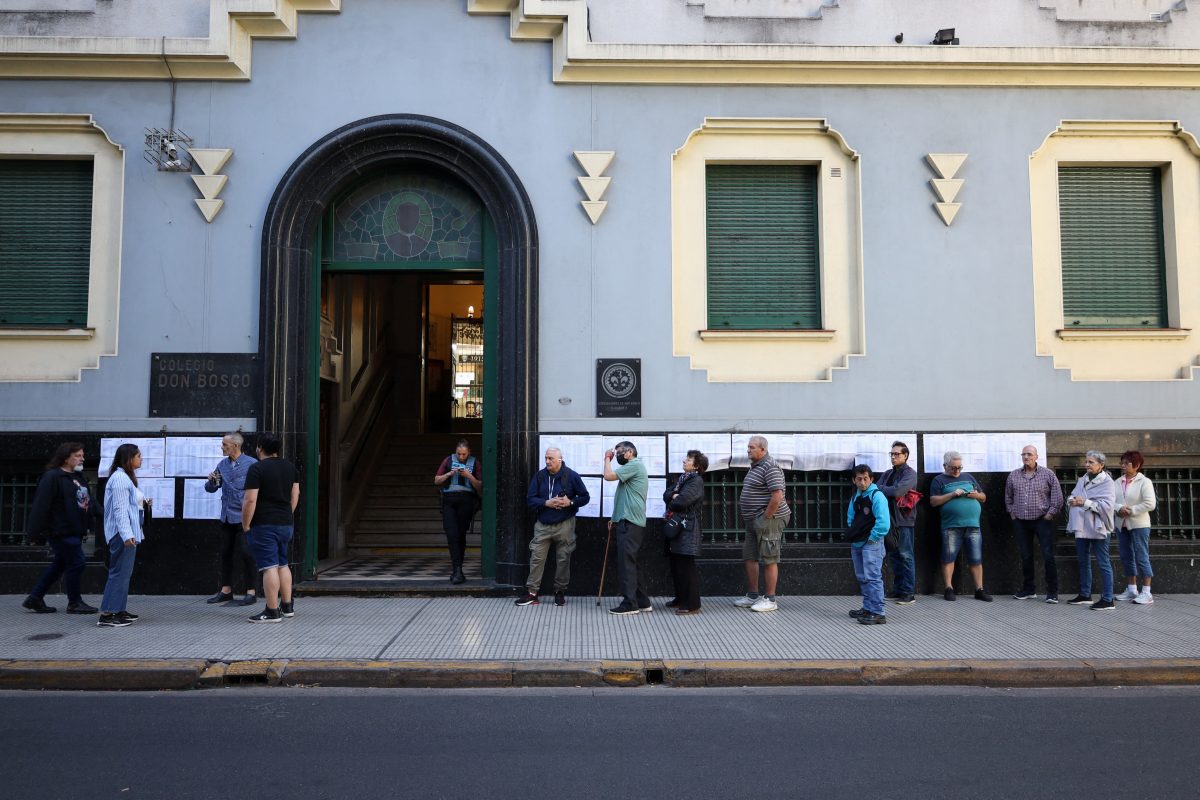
(544, 486)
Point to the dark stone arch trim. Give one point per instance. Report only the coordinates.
(286, 301)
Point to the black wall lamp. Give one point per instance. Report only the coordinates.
(945, 36)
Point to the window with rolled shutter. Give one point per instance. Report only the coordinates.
(763, 268)
(45, 242)
(1113, 264)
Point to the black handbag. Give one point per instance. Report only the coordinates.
(675, 524)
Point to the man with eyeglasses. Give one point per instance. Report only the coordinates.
(895, 484)
(1033, 498)
(961, 499)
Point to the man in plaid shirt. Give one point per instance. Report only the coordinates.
(1033, 498)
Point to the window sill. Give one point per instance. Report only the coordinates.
(47, 333)
(1123, 334)
(766, 336)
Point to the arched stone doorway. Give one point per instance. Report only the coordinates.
(290, 313)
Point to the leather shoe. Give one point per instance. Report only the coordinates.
(81, 608)
(248, 600)
(679, 612)
(220, 597)
(38, 605)
(457, 576)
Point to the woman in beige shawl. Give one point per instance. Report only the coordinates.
(1090, 517)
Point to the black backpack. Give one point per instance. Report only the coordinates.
(864, 520)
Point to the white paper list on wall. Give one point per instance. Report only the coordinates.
(584, 454)
(152, 450)
(982, 452)
(717, 447)
(199, 504)
(595, 492)
(652, 451)
(161, 493)
(193, 456)
(781, 446)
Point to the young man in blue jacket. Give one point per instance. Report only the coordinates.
(557, 493)
(867, 555)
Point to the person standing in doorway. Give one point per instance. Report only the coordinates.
(556, 493)
(628, 522)
(896, 484)
(961, 499)
(461, 483)
(230, 478)
(1033, 498)
(124, 506)
(62, 514)
(269, 502)
(765, 514)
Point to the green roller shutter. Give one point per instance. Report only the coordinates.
(763, 256)
(45, 242)
(1114, 272)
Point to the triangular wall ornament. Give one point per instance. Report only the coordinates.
(594, 208)
(947, 188)
(211, 161)
(594, 188)
(210, 185)
(210, 208)
(946, 165)
(594, 162)
(947, 211)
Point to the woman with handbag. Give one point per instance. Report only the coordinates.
(1090, 517)
(682, 530)
(123, 504)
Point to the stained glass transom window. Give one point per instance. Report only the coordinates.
(408, 217)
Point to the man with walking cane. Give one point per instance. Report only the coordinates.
(629, 523)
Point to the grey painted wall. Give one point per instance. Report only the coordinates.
(949, 311)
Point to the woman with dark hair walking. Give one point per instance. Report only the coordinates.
(123, 503)
(62, 514)
(685, 499)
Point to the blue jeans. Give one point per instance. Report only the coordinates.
(1084, 550)
(954, 539)
(68, 562)
(868, 568)
(904, 569)
(1025, 530)
(120, 570)
(1134, 546)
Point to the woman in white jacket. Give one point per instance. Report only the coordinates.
(1135, 500)
(123, 505)
(1090, 518)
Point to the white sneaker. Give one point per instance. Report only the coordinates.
(745, 602)
(1144, 599)
(1129, 593)
(763, 604)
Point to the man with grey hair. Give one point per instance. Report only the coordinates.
(230, 478)
(961, 499)
(556, 493)
(765, 514)
(628, 522)
(1033, 497)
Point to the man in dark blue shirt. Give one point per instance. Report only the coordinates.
(557, 493)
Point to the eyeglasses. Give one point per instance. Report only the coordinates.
(895, 454)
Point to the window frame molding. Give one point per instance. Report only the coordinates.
(1119, 354)
(61, 354)
(769, 355)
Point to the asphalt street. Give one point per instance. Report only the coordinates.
(612, 743)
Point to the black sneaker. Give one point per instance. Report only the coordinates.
(980, 594)
(1080, 600)
(871, 618)
(220, 597)
(248, 600)
(37, 605)
(112, 621)
(859, 612)
(125, 615)
(1103, 605)
(893, 595)
(950, 595)
(1052, 599)
(528, 599)
(1024, 595)
(560, 598)
(646, 608)
(81, 608)
(268, 615)
(288, 609)
(906, 599)
(625, 608)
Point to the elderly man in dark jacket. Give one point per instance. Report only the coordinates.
(686, 499)
(557, 493)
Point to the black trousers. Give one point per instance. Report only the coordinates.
(458, 509)
(68, 563)
(234, 547)
(686, 576)
(629, 542)
(1025, 530)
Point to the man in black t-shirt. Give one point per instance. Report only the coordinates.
(271, 496)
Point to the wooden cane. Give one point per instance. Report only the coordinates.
(604, 568)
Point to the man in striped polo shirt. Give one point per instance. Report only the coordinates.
(765, 514)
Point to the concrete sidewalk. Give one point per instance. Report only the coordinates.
(487, 641)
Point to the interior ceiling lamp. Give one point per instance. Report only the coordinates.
(945, 36)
